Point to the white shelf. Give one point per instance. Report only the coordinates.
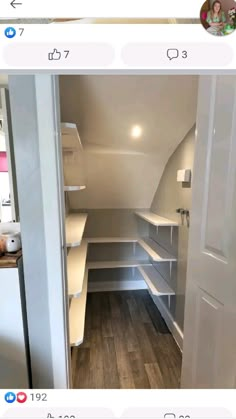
(157, 285)
(116, 264)
(76, 261)
(155, 219)
(156, 252)
(77, 315)
(74, 188)
(111, 240)
(70, 136)
(104, 286)
(75, 224)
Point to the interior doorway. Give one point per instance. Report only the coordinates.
(124, 224)
(121, 166)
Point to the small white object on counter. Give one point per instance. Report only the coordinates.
(10, 236)
(11, 242)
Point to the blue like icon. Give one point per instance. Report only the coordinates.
(10, 397)
(10, 32)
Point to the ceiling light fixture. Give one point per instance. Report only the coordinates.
(136, 131)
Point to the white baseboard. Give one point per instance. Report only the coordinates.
(170, 322)
(116, 286)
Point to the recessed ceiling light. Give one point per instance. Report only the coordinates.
(136, 131)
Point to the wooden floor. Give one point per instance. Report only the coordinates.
(126, 345)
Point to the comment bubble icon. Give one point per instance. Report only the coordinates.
(172, 53)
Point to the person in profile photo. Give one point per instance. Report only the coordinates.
(216, 17)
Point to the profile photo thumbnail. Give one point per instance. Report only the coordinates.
(218, 17)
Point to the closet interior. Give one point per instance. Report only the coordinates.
(118, 133)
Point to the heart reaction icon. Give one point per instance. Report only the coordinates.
(21, 397)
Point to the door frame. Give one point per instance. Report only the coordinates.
(37, 147)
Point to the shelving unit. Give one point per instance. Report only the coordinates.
(77, 274)
(76, 261)
(155, 282)
(75, 224)
(155, 251)
(77, 315)
(78, 269)
(155, 219)
(139, 273)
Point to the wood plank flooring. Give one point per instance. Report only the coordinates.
(127, 345)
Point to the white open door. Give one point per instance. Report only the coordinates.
(7, 130)
(209, 354)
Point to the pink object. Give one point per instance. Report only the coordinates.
(3, 161)
(204, 15)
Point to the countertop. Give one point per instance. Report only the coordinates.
(10, 260)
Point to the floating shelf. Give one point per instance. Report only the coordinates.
(101, 286)
(70, 136)
(74, 188)
(157, 285)
(75, 224)
(77, 315)
(76, 261)
(155, 219)
(111, 240)
(116, 264)
(155, 251)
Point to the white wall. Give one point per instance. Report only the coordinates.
(2, 142)
(118, 181)
(4, 186)
(122, 172)
(3, 79)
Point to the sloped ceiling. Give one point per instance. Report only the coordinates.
(122, 172)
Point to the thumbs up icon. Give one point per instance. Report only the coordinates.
(55, 55)
(10, 397)
(10, 32)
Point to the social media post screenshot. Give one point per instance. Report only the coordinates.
(117, 213)
(181, 37)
